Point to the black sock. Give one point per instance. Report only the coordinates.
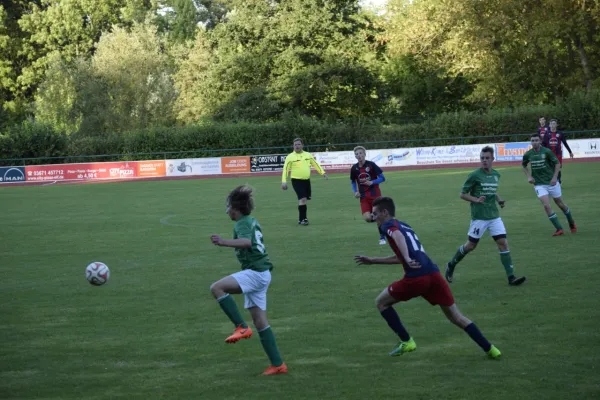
(302, 212)
(391, 317)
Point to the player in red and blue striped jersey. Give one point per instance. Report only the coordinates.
(365, 177)
(543, 129)
(554, 141)
(422, 278)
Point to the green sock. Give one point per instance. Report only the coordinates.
(460, 254)
(267, 339)
(507, 262)
(228, 305)
(569, 217)
(555, 221)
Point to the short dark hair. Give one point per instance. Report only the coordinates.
(488, 149)
(541, 116)
(385, 203)
(241, 199)
(537, 135)
(298, 140)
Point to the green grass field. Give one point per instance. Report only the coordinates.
(154, 331)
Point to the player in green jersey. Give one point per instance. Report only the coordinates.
(545, 168)
(481, 190)
(253, 280)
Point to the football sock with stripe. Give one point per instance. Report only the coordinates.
(478, 337)
(460, 254)
(393, 320)
(507, 262)
(554, 219)
(230, 309)
(267, 339)
(569, 217)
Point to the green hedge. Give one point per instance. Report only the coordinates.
(580, 111)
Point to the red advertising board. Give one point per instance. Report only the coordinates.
(81, 171)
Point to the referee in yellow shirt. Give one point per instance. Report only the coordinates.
(297, 164)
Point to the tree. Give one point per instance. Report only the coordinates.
(40, 31)
(308, 56)
(126, 85)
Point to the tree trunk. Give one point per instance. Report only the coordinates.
(584, 62)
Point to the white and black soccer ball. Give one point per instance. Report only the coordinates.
(97, 273)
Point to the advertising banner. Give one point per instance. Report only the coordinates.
(81, 171)
(335, 159)
(583, 148)
(267, 163)
(153, 168)
(193, 166)
(448, 154)
(235, 165)
(392, 157)
(511, 151)
(12, 174)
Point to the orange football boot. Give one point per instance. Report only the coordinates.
(239, 334)
(559, 232)
(272, 370)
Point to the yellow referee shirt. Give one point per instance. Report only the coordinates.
(298, 164)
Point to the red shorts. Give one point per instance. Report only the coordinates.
(431, 287)
(366, 204)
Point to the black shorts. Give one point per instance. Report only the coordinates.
(302, 188)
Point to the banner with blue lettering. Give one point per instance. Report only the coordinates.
(12, 174)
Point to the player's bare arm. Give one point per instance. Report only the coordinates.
(528, 175)
(365, 260)
(555, 177)
(237, 243)
(401, 242)
(472, 199)
(500, 201)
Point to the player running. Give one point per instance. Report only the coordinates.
(481, 190)
(422, 278)
(545, 168)
(253, 280)
(554, 140)
(365, 177)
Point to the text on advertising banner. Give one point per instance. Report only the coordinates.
(12, 174)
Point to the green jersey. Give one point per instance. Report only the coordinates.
(542, 162)
(255, 257)
(481, 183)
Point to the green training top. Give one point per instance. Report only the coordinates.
(480, 183)
(542, 164)
(255, 257)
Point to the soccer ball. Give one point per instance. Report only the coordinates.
(97, 273)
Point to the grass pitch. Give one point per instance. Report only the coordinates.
(154, 331)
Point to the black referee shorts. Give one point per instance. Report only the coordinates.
(302, 188)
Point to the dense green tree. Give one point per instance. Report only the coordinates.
(126, 85)
(307, 56)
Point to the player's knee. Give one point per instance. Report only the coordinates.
(260, 321)
(216, 290)
(381, 303)
(502, 244)
(459, 320)
(470, 246)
